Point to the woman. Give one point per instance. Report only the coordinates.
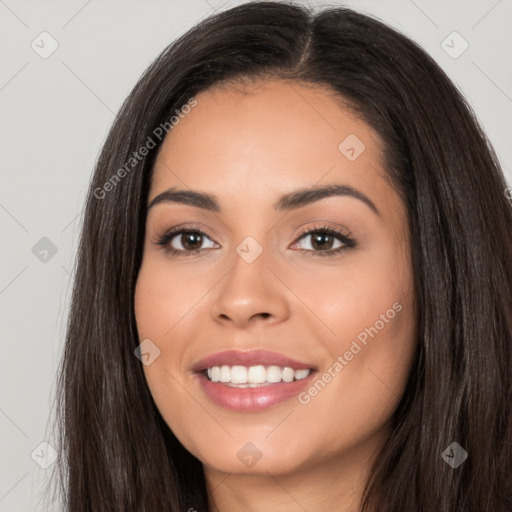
(343, 340)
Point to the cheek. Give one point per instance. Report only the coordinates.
(359, 295)
(162, 303)
(360, 388)
(164, 297)
(371, 312)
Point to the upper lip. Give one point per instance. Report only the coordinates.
(249, 358)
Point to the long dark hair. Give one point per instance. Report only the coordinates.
(118, 453)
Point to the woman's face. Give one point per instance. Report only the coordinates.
(264, 280)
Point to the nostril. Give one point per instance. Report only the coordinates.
(260, 316)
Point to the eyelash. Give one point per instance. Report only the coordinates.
(166, 238)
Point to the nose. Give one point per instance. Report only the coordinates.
(250, 294)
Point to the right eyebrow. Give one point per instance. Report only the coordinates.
(188, 197)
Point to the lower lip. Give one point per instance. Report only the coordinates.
(252, 399)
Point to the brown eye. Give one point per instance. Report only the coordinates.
(322, 241)
(184, 241)
(326, 241)
(190, 239)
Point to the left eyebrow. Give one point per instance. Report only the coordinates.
(290, 201)
(306, 196)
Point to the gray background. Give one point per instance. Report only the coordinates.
(55, 113)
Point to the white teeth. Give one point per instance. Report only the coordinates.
(225, 374)
(254, 376)
(301, 374)
(239, 375)
(288, 374)
(274, 374)
(215, 374)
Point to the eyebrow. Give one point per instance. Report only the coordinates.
(287, 202)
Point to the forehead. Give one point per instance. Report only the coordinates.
(267, 138)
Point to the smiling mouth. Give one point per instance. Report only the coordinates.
(252, 380)
(254, 376)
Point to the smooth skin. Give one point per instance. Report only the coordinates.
(249, 145)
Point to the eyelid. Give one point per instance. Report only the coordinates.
(346, 239)
(175, 230)
(338, 231)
